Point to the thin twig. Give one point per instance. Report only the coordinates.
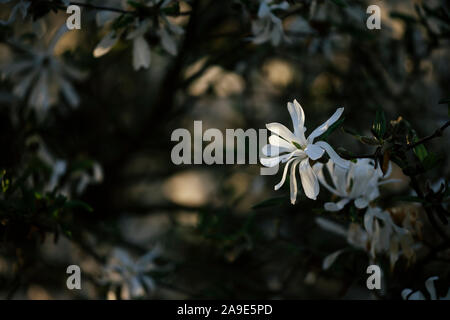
(437, 133)
(101, 8)
(113, 9)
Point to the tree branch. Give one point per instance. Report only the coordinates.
(437, 133)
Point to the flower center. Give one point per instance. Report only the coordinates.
(297, 145)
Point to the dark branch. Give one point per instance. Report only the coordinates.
(437, 133)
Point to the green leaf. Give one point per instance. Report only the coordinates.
(379, 125)
(270, 202)
(420, 150)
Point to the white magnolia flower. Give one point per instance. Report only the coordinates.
(268, 27)
(358, 183)
(380, 235)
(130, 275)
(294, 149)
(408, 294)
(166, 31)
(41, 75)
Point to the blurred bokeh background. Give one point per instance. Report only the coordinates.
(115, 147)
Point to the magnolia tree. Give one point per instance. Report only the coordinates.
(355, 207)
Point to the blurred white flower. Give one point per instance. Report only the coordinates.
(41, 75)
(166, 31)
(80, 179)
(358, 183)
(268, 27)
(380, 235)
(20, 6)
(86, 178)
(408, 294)
(293, 149)
(130, 275)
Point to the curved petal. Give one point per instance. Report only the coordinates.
(340, 179)
(314, 152)
(416, 296)
(273, 161)
(141, 53)
(298, 119)
(336, 206)
(309, 180)
(333, 155)
(283, 179)
(324, 127)
(106, 44)
(361, 203)
(389, 181)
(429, 284)
(330, 259)
(406, 293)
(272, 151)
(282, 131)
(318, 169)
(293, 182)
(279, 142)
(167, 41)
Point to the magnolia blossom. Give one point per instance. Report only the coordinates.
(408, 294)
(79, 179)
(42, 75)
(380, 235)
(358, 183)
(268, 27)
(130, 275)
(294, 149)
(166, 31)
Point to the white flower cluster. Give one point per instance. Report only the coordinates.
(129, 276)
(40, 75)
(268, 27)
(166, 31)
(351, 181)
(380, 235)
(356, 182)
